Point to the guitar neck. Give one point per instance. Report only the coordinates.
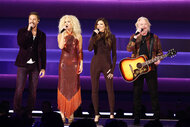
(154, 60)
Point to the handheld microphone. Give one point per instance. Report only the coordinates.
(31, 28)
(94, 33)
(138, 32)
(63, 29)
(98, 31)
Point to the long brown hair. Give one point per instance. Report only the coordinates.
(107, 31)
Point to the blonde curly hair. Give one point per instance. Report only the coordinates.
(74, 21)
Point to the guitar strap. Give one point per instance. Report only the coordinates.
(151, 44)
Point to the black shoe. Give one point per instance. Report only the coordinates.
(157, 120)
(136, 121)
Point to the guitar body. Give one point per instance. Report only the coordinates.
(131, 68)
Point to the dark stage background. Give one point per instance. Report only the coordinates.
(170, 21)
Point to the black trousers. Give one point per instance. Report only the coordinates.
(22, 72)
(151, 80)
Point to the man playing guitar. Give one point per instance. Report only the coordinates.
(145, 43)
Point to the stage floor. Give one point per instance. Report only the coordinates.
(102, 121)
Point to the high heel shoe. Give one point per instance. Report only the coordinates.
(96, 119)
(71, 119)
(111, 116)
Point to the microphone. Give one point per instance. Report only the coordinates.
(31, 28)
(98, 31)
(63, 29)
(138, 32)
(94, 33)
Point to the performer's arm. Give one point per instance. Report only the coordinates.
(61, 40)
(114, 54)
(24, 38)
(159, 47)
(159, 51)
(92, 42)
(43, 56)
(114, 58)
(80, 55)
(131, 44)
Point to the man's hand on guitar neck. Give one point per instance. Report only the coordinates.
(157, 62)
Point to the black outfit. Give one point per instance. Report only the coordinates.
(101, 63)
(143, 46)
(151, 79)
(34, 48)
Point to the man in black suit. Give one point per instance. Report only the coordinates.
(31, 61)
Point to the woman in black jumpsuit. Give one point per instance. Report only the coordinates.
(103, 43)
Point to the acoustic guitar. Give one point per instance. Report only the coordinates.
(132, 68)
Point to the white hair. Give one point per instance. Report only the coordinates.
(143, 18)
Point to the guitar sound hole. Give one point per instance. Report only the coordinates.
(139, 65)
